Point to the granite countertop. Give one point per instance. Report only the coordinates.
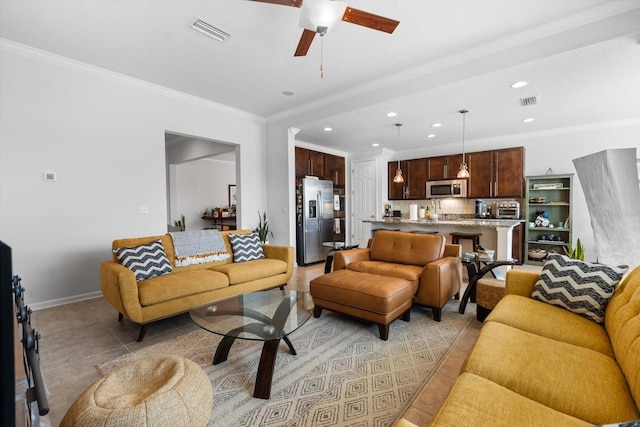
(465, 222)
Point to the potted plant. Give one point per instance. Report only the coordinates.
(181, 223)
(577, 252)
(263, 228)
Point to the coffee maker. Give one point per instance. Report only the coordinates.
(479, 209)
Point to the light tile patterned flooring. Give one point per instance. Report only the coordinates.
(77, 336)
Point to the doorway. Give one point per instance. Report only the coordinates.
(199, 176)
(364, 178)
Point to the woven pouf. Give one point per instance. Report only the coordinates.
(488, 292)
(153, 391)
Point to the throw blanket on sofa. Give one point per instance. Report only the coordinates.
(197, 247)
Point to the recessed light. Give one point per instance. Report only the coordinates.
(375, 144)
(392, 114)
(431, 135)
(517, 85)
(327, 129)
(436, 125)
(529, 120)
(288, 93)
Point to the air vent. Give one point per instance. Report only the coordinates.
(532, 100)
(210, 30)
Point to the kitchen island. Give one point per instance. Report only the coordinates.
(496, 233)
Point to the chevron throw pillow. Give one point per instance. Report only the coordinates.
(580, 287)
(146, 261)
(246, 247)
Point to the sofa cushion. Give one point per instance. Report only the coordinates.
(497, 407)
(251, 270)
(411, 273)
(146, 261)
(577, 381)
(246, 247)
(580, 287)
(622, 321)
(406, 248)
(179, 284)
(543, 319)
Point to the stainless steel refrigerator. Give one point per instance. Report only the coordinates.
(315, 219)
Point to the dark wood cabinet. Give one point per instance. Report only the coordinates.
(309, 162)
(517, 243)
(481, 174)
(443, 167)
(334, 169)
(416, 179)
(414, 186)
(395, 190)
(496, 173)
(302, 161)
(509, 172)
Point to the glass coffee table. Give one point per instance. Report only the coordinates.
(268, 316)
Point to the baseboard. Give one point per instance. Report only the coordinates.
(62, 301)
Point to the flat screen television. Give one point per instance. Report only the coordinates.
(7, 311)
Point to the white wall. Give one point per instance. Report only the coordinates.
(202, 184)
(104, 136)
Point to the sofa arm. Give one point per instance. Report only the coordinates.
(283, 253)
(520, 282)
(452, 250)
(343, 258)
(119, 287)
(440, 281)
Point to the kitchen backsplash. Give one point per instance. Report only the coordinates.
(451, 208)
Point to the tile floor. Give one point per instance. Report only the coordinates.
(77, 336)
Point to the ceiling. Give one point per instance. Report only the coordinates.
(580, 57)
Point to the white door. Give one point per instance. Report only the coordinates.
(363, 200)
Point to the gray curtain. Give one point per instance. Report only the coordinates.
(610, 183)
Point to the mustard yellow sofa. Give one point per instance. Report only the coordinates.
(535, 364)
(425, 260)
(189, 286)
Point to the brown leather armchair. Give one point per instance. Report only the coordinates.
(423, 259)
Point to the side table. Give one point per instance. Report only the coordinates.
(476, 271)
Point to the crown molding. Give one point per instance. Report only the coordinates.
(62, 61)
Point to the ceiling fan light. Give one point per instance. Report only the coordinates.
(398, 179)
(321, 16)
(464, 171)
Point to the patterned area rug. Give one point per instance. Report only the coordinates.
(343, 373)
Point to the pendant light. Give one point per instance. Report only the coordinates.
(398, 179)
(464, 170)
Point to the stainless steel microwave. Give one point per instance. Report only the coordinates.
(447, 188)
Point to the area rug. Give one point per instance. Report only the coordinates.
(343, 373)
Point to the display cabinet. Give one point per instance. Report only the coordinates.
(548, 216)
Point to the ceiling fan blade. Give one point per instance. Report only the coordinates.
(305, 43)
(369, 20)
(294, 3)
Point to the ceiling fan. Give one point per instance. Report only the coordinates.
(319, 16)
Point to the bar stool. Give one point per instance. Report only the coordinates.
(456, 237)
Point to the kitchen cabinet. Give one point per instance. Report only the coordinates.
(443, 167)
(334, 169)
(517, 240)
(415, 180)
(309, 162)
(496, 173)
(547, 197)
(395, 190)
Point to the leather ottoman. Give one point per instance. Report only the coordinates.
(378, 299)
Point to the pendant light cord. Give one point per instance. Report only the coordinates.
(464, 116)
(321, 55)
